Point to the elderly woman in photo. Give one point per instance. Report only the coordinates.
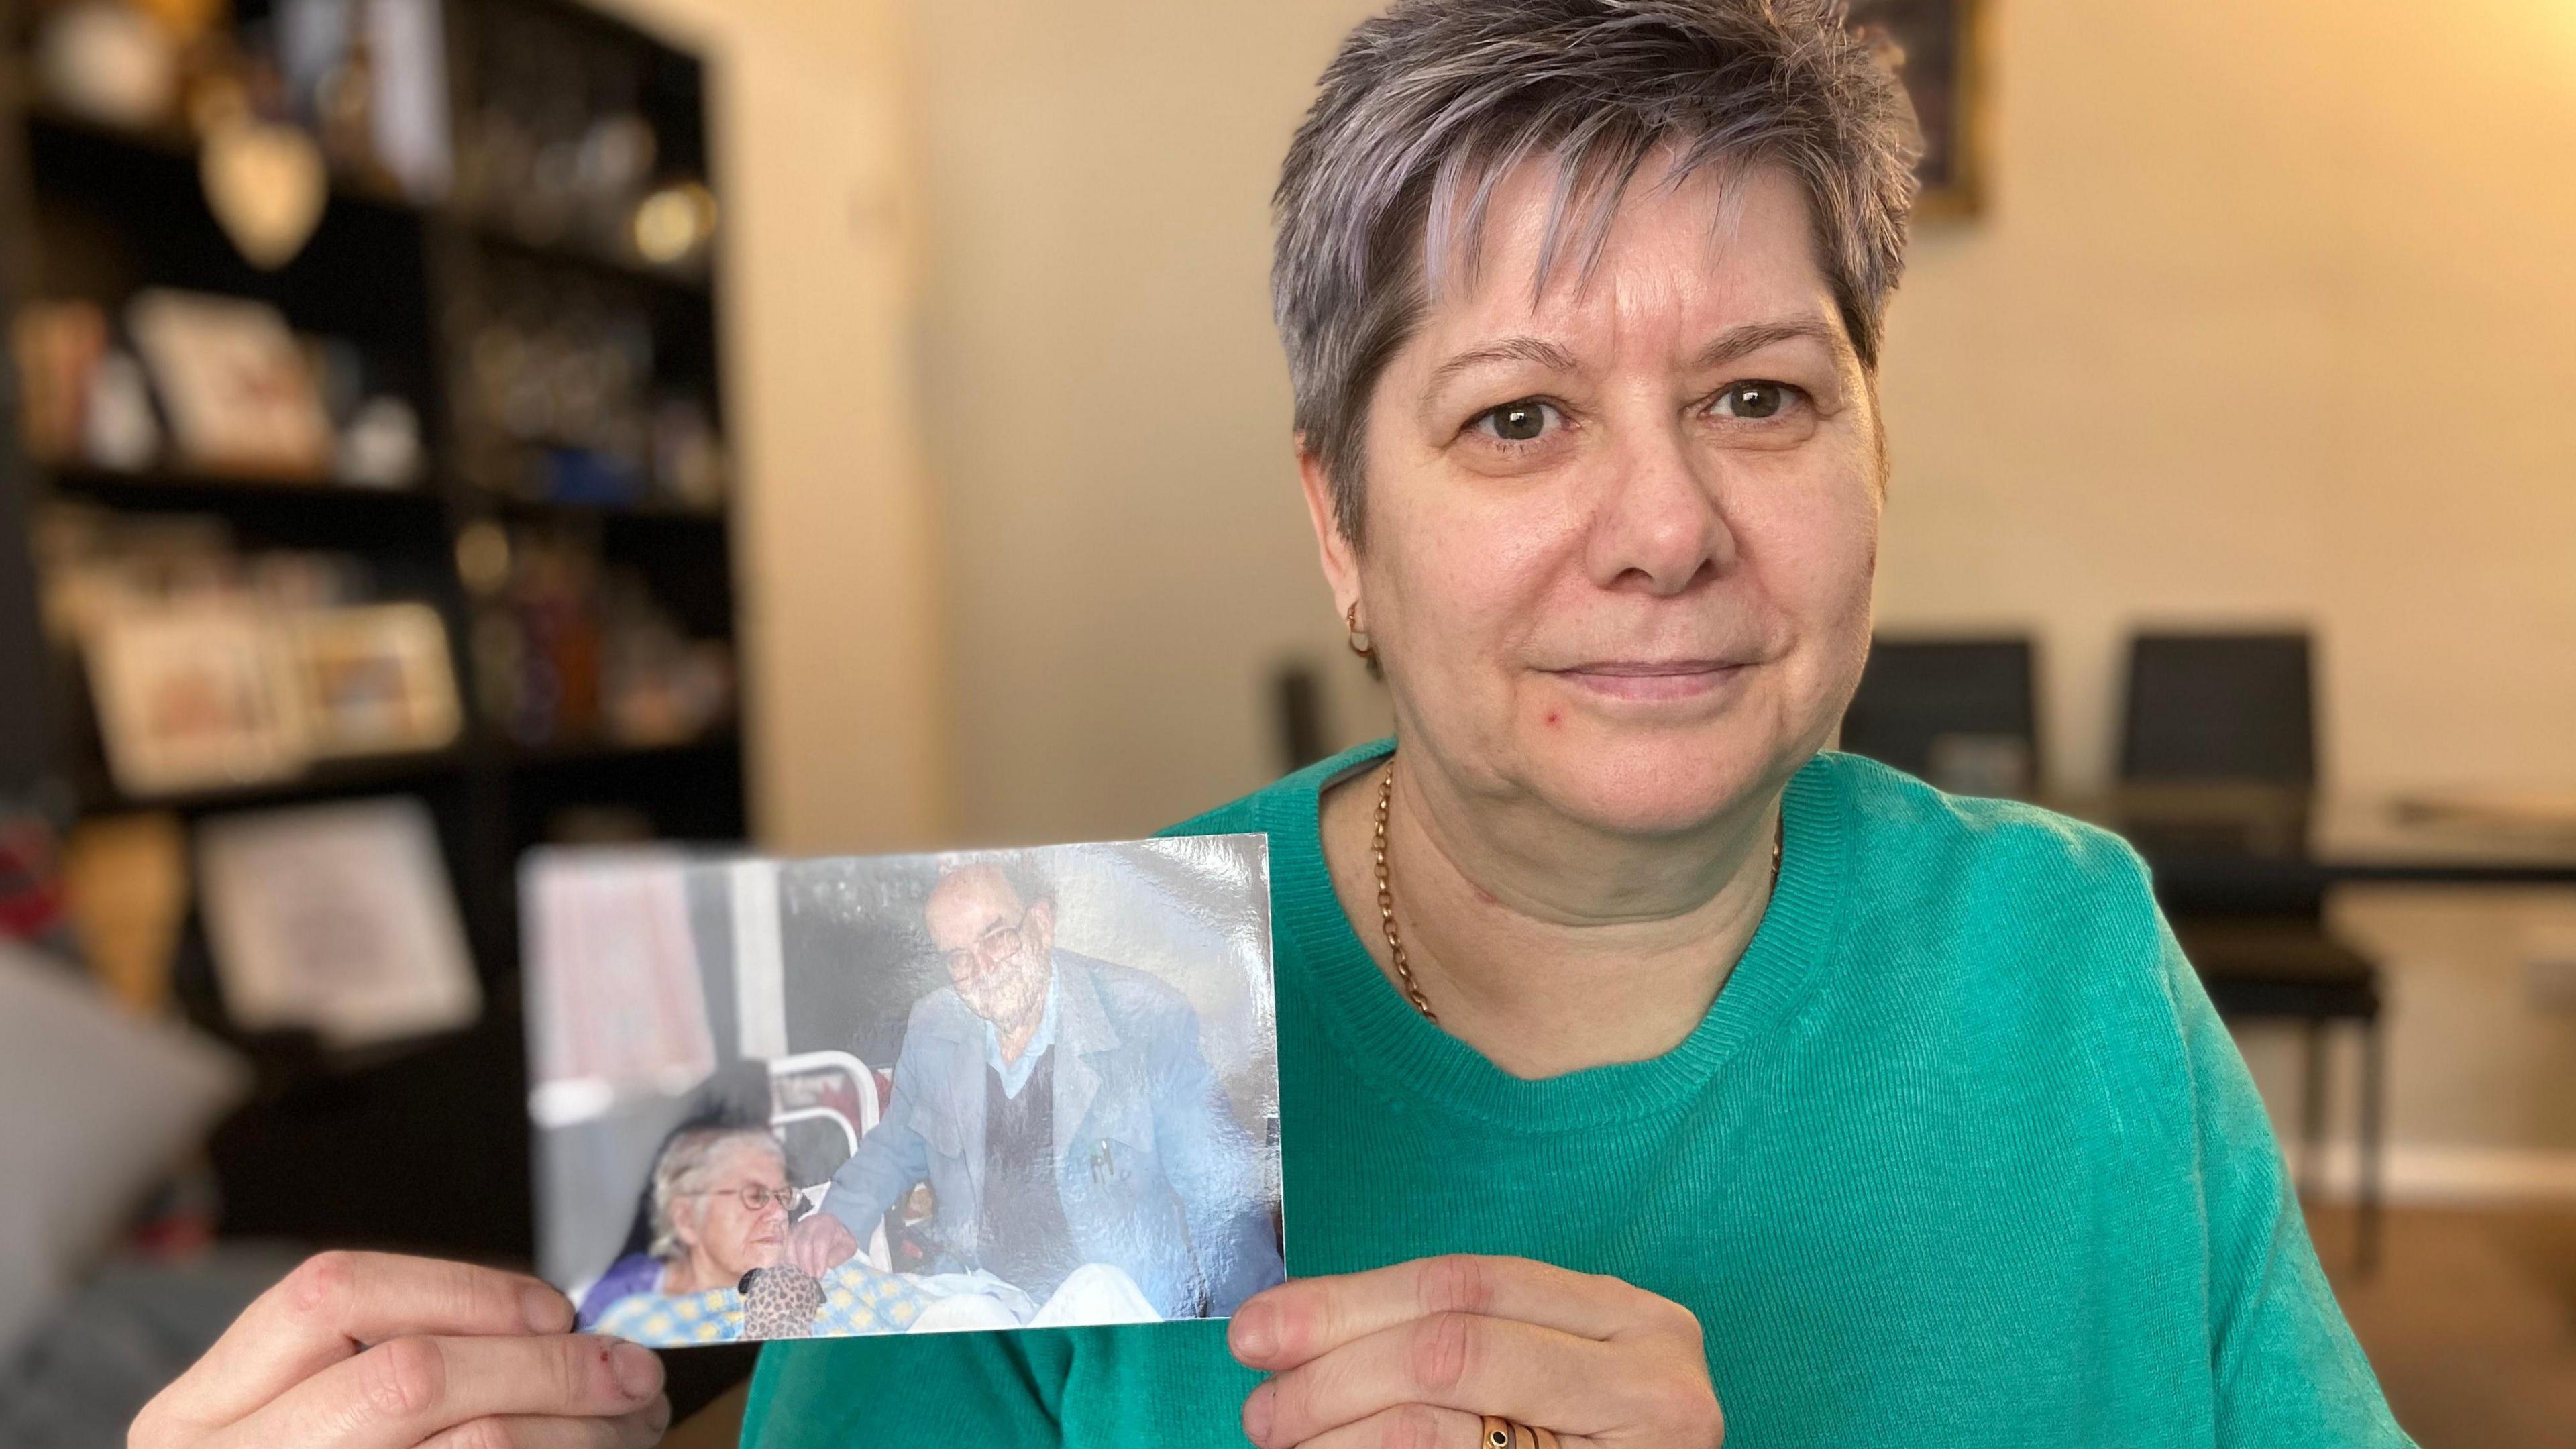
(720, 1201)
(1650, 1074)
(718, 1269)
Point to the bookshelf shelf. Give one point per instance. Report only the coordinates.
(598, 260)
(676, 514)
(592, 751)
(97, 214)
(180, 489)
(162, 145)
(322, 780)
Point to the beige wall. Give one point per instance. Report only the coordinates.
(2272, 318)
(2268, 318)
(837, 550)
(2481, 1073)
(1107, 408)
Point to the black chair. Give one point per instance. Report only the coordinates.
(1297, 710)
(2233, 718)
(1957, 712)
(2221, 708)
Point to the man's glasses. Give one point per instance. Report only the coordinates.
(753, 1198)
(997, 944)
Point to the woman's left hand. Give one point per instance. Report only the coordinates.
(1417, 1355)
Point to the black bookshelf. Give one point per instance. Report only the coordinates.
(424, 1146)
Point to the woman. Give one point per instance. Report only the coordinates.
(1649, 1075)
(720, 1199)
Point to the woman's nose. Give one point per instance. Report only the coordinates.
(1658, 525)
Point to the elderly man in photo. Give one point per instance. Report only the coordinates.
(1065, 1119)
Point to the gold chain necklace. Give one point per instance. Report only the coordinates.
(1386, 896)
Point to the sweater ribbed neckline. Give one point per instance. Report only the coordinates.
(1381, 1037)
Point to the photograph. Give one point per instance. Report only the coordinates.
(903, 1094)
(194, 698)
(1941, 57)
(337, 919)
(237, 386)
(376, 679)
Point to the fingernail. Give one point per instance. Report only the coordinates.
(1257, 1412)
(638, 1372)
(1255, 1333)
(544, 1307)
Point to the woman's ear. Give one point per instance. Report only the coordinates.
(1341, 561)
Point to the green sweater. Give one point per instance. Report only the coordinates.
(1960, 1156)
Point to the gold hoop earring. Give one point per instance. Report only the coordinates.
(1359, 640)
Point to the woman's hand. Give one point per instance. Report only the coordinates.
(367, 1351)
(1417, 1354)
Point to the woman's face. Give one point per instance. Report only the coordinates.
(727, 1238)
(1620, 541)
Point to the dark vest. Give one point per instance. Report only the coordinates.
(1023, 1239)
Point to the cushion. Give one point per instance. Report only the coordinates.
(94, 1106)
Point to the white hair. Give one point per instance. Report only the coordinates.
(682, 1170)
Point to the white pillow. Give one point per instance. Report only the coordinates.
(94, 1104)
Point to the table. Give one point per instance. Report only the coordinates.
(2267, 836)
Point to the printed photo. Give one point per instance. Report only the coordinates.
(905, 1094)
(376, 679)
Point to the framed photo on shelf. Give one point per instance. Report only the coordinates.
(236, 385)
(376, 680)
(1943, 54)
(337, 919)
(194, 698)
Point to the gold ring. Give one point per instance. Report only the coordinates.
(1502, 1433)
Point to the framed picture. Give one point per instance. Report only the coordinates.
(338, 919)
(237, 388)
(903, 1094)
(194, 698)
(1942, 51)
(376, 680)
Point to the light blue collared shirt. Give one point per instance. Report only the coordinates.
(1015, 1075)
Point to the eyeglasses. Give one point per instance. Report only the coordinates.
(753, 1198)
(997, 944)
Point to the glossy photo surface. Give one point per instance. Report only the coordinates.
(901, 1094)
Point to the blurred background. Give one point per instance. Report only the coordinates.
(445, 427)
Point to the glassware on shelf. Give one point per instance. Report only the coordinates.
(572, 651)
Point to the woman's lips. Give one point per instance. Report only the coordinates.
(1651, 679)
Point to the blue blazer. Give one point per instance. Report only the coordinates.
(1156, 1176)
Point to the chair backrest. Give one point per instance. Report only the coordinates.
(1960, 712)
(1297, 702)
(2220, 707)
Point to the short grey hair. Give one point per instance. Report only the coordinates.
(682, 1170)
(1434, 101)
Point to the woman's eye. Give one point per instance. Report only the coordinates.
(1516, 422)
(1753, 400)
